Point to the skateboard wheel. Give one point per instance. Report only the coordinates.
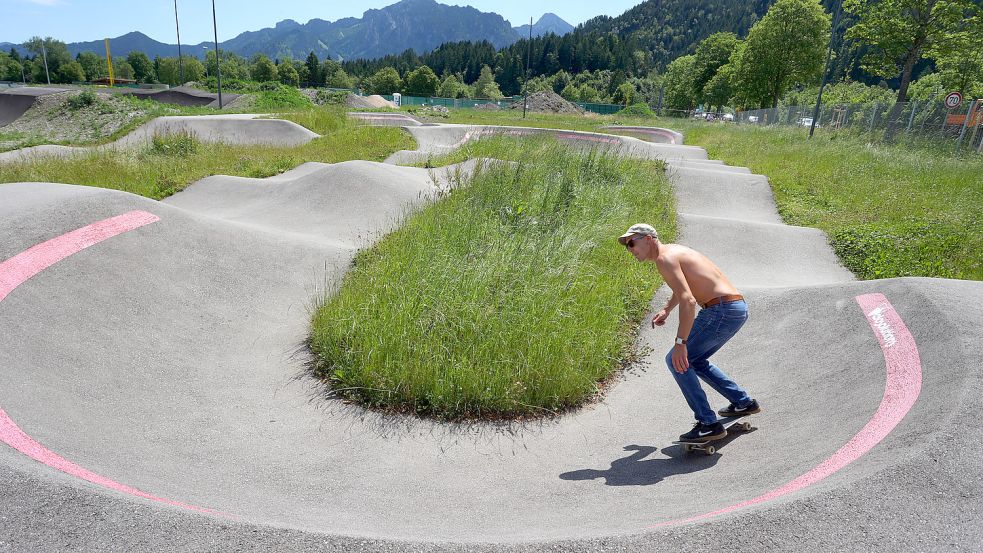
(687, 448)
(710, 450)
(746, 426)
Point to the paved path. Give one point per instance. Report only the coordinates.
(153, 396)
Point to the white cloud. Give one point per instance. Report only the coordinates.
(48, 2)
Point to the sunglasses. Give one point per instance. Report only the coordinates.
(631, 243)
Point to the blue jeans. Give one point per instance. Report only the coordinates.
(711, 330)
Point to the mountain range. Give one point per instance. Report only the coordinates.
(418, 24)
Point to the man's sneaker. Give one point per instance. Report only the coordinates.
(704, 433)
(733, 410)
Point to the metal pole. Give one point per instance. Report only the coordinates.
(218, 56)
(44, 54)
(525, 84)
(873, 115)
(962, 133)
(23, 76)
(180, 58)
(976, 125)
(911, 118)
(829, 57)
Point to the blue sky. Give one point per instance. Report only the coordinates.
(84, 20)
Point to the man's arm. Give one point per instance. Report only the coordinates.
(672, 272)
(660, 318)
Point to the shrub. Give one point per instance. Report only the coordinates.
(81, 100)
(273, 96)
(638, 110)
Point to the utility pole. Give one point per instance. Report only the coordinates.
(525, 83)
(180, 58)
(829, 55)
(218, 56)
(44, 54)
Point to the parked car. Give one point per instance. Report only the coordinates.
(806, 122)
(752, 118)
(727, 117)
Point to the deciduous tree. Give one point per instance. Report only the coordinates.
(786, 47)
(422, 82)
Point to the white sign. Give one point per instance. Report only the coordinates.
(953, 99)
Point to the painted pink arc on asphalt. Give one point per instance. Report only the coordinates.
(904, 384)
(18, 269)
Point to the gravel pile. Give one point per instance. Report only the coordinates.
(548, 101)
(53, 119)
(374, 101)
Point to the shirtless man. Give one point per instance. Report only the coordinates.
(695, 280)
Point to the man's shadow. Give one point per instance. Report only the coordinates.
(635, 470)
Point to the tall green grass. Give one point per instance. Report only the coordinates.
(889, 210)
(170, 163)
(509, 295)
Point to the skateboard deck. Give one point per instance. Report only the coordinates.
(740, 422)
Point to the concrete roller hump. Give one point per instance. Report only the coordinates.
(436, 140)
(227, 129)
(155, 392)
(763, 254)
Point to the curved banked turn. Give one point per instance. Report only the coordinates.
(165, 359)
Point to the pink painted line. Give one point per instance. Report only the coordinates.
(647, 130)
(17, 439)
(18, 269)
(21, 267)
(904, 384)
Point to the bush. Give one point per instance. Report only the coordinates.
(273, 96)
(638, 110)
(81, 100)
(330, 97)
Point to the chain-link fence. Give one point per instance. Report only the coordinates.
(960, 127)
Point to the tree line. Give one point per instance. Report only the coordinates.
(923, 46)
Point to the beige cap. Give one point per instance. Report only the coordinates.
(640, 229)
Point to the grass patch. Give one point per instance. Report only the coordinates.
(508, 296)
(889, 210)
(170, 163)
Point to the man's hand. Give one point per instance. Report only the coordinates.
(680, 358)
(660, 318)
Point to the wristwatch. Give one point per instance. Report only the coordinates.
(680, 341)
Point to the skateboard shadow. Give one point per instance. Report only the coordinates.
(636, 470)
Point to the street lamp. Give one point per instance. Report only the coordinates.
(218, 59)
(180, 58)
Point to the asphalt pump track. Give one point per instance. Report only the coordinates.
(154, 395)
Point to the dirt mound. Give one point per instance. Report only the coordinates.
(548, 101)
(374, 101)
(72, 116)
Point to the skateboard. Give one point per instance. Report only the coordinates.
(740, 422)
